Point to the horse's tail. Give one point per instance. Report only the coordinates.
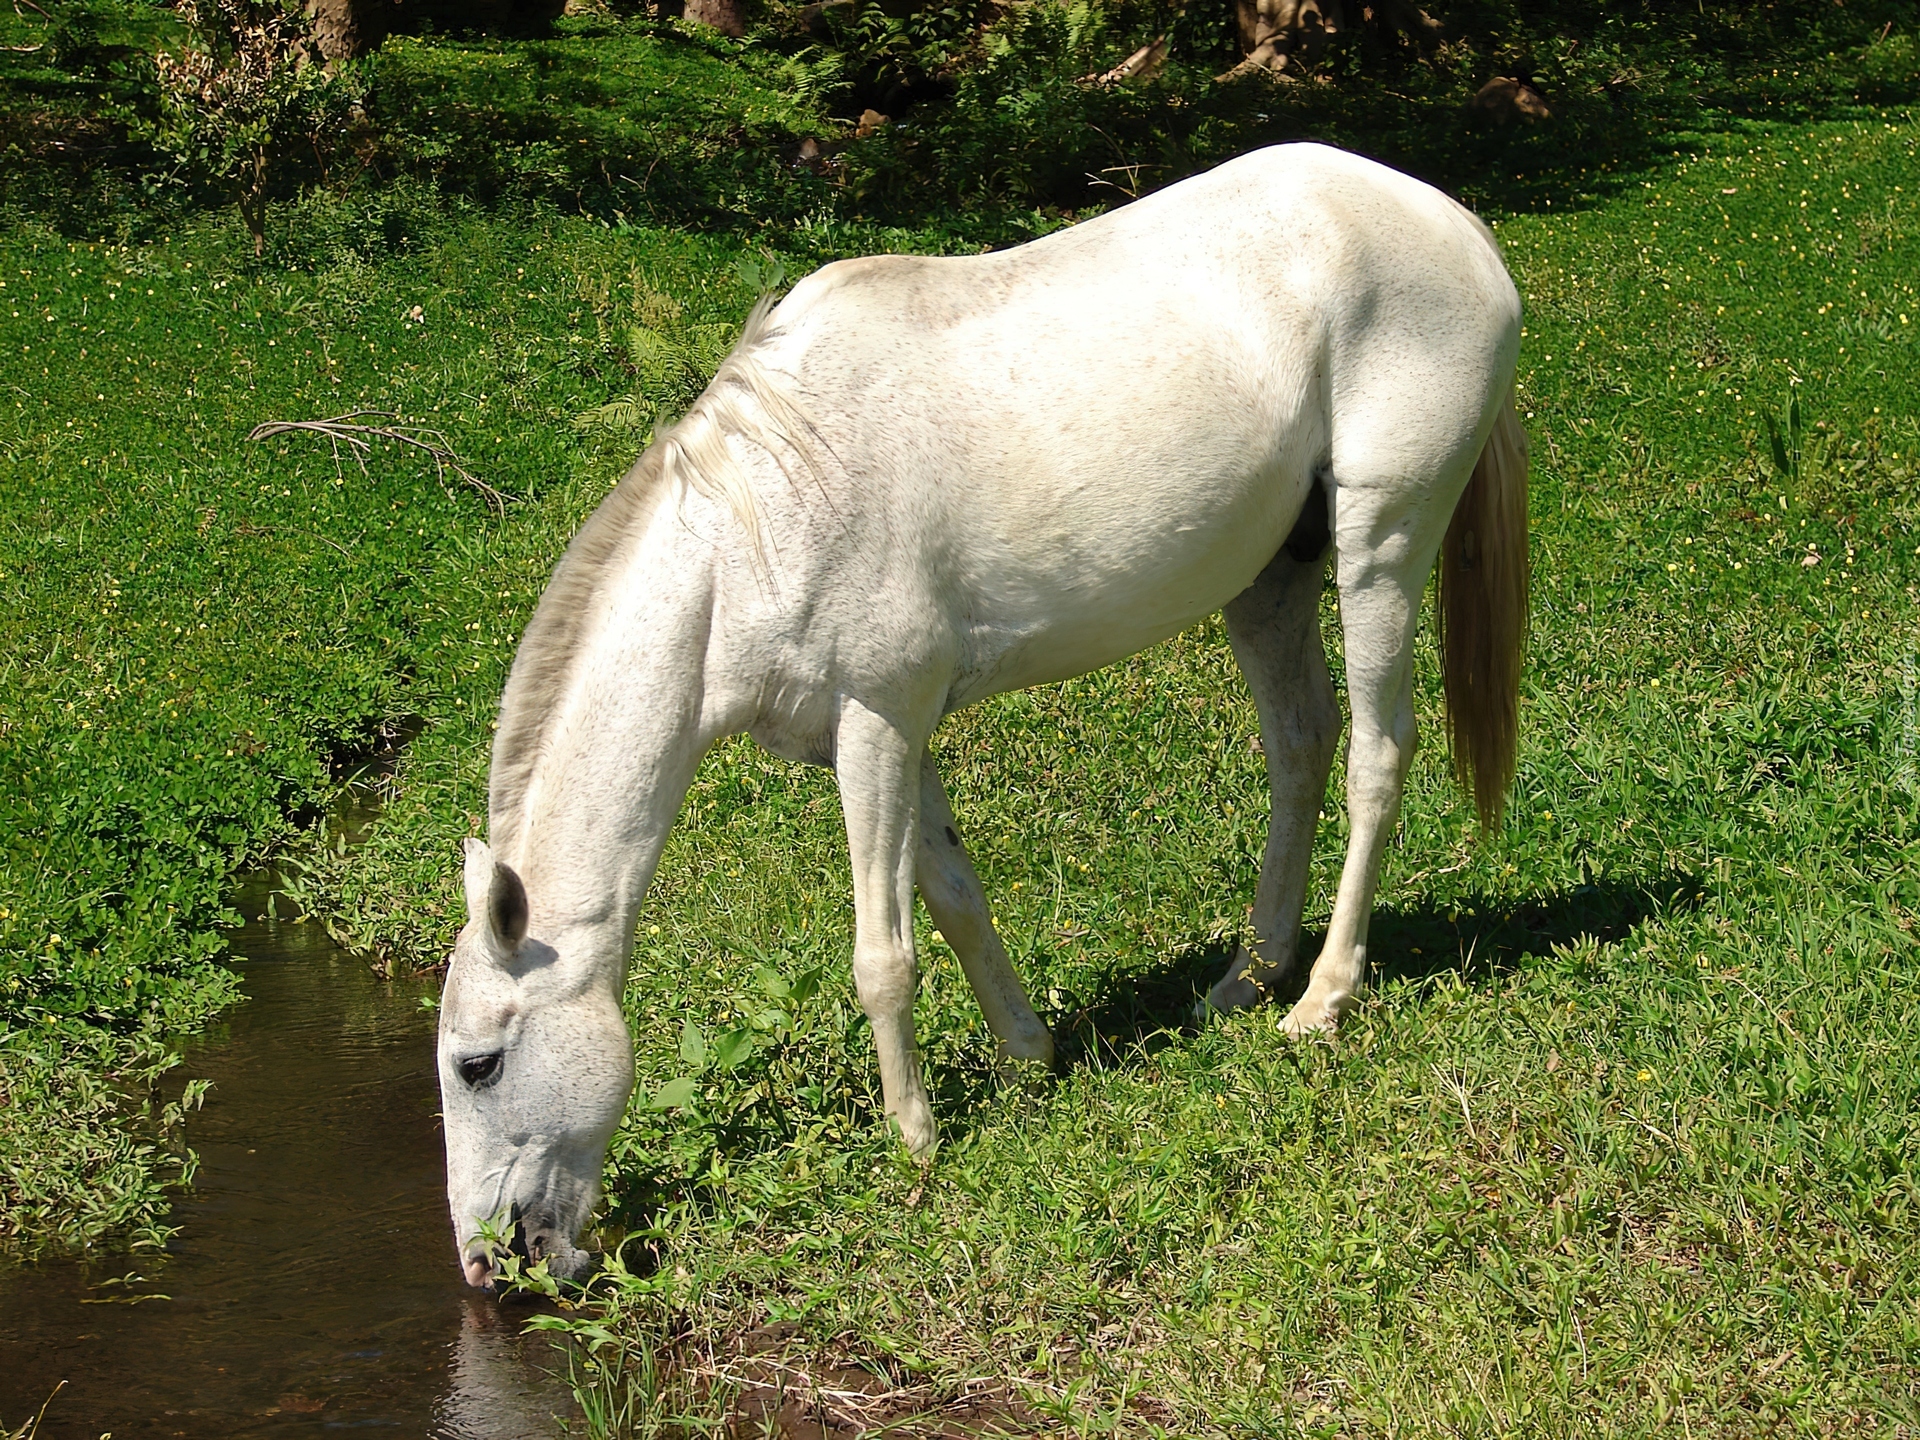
(1482, 616)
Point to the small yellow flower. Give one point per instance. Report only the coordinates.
(1644, 1076)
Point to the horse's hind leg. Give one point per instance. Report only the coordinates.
(1385, 535)
(1275, 629)
(959, 908)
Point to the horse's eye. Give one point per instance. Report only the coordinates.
(480, 1071)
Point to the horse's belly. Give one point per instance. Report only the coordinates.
(1064, 599)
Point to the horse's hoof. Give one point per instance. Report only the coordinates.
(1247, 983)
(920, 1135)
(1029, 1074)
(1311, 1019)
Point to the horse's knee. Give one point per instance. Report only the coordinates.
(883, 978)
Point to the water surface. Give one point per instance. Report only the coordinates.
(312, 1286)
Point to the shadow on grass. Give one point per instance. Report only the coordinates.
(1477, 938)
(1482, 937)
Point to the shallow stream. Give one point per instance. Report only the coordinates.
(312, 1284)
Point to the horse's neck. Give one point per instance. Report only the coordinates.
(616, 744)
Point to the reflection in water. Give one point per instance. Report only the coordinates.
(312, 1285)
(491, 1390)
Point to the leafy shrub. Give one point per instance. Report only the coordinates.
(670, 357)
(889, 55)
(1021, 118)
(248, 86)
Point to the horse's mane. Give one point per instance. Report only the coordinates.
(743, 399)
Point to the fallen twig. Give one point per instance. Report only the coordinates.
(249, 529)
(348, 430)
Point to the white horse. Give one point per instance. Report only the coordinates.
(920, 482)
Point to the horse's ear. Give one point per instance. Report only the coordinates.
(507, 908)
(496, 899)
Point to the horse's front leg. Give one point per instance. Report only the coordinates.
(878, 766)
(959, 907)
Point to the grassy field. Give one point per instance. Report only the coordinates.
(1621, 1143)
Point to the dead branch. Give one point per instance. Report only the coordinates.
(1145, 63)
(349, 431)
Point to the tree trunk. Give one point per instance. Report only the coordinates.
(1290, 37)
(253, 199)
(1287, 37)
(729, 17)
(343, 29)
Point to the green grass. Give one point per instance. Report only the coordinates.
(1620, 1144)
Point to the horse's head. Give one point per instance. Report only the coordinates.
(535, 1070)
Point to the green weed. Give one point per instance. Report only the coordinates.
(31, 1428)
(671, 361)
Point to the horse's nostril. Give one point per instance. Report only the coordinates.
(479, 1271)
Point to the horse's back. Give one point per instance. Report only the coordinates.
(1261, 236)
